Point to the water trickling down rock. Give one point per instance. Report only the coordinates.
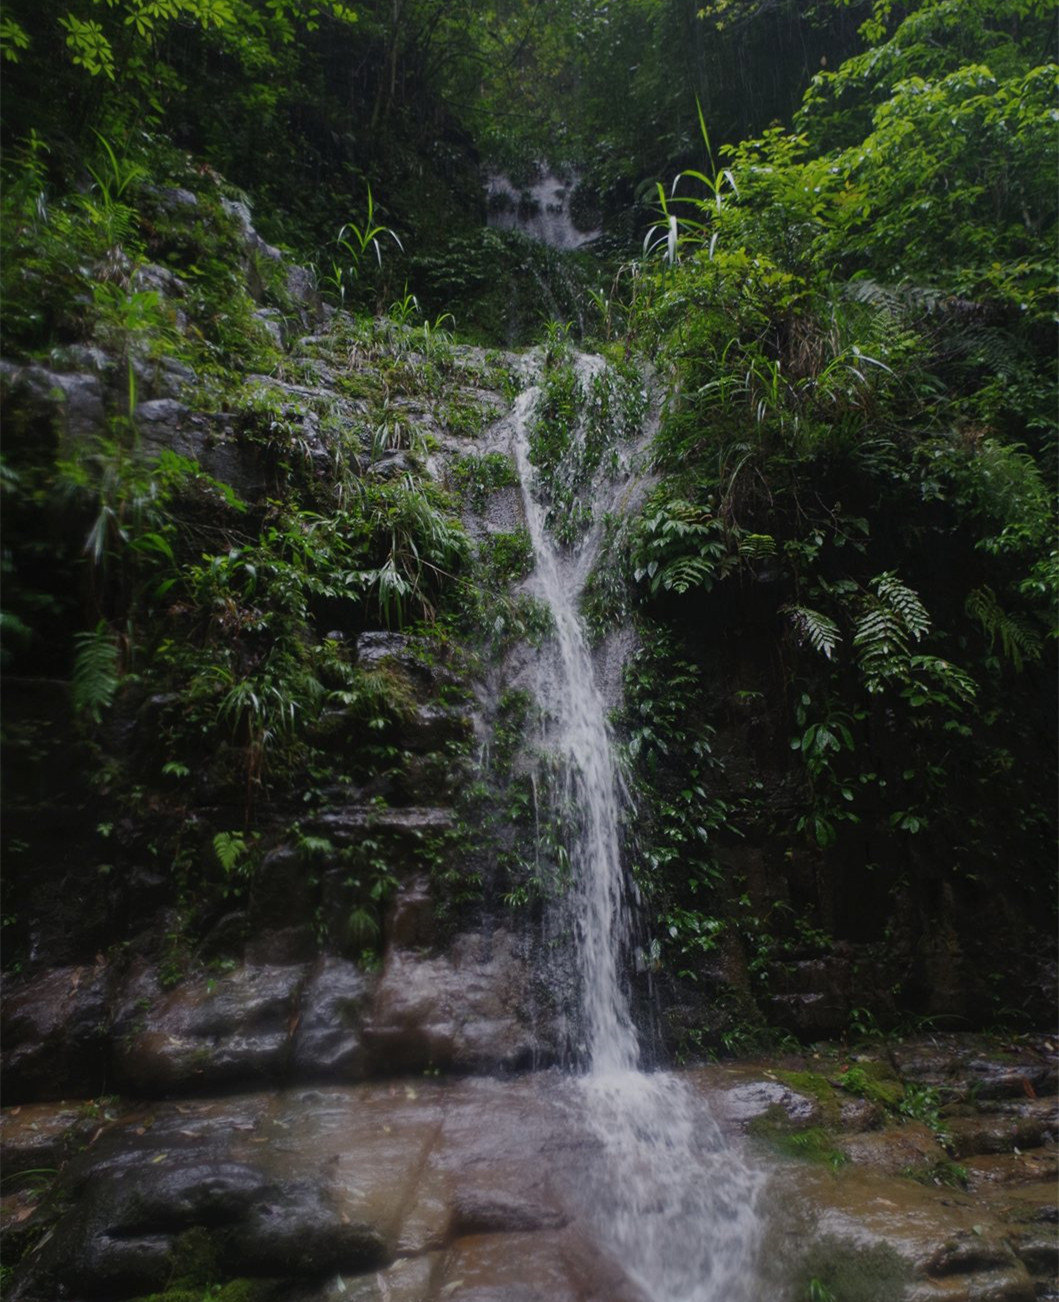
(672, 1199)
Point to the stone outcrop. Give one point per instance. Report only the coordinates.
(430, 1190)
(468, 1009)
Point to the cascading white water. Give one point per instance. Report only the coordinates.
(540, 210)
(580, 737)
(669, 1196)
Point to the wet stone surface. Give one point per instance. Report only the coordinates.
(469, 1008)
(422, 1189)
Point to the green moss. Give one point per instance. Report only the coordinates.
(508, 557)
(464, 418)
(875, 1081)
(814, 1086)
(810, 1144)
(475, 478)
(941, 1172)
(850, 1273)
(236, 1290)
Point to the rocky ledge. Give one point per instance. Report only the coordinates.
(883, 1186)
(470, 1008)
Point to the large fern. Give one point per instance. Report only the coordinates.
(95, 676)
(1018, 641)
(882, 637)
(230, 849)
(813, 628)
(945, 684)
(679, 547)
(893, 621)
(903, 602)
(684, 573)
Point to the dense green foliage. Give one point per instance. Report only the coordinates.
(859, 458)
(844, 576)
(311, 105)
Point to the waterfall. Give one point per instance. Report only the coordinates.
(668, 1195)
(540, 210)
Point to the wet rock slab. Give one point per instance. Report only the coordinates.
(54, 1033)
(424, 1190)
(310, 1183)
(206, 1032)
(468, 1009)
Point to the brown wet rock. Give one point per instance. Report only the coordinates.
(207, 1031)
(189, 1189)
(403, 827)
(41, 1136)
(424, 1190)
(217, 1168)
(860, 1114)
(977, 1067)
(478, 1211)
(328, 1039)
(297, 1228)
(468, 1010)
(55, 1033)
(740, 1093)
(1041, 1164)
(1004, 1285)
(411, 923)
(812, 997)
(21, 1222)
(433, 727)
(745, 1103)
(280, 893)
(520, 1172)
(368, 1148)
(1027, 1126)
(281, 946)
(543, 1267)
(893, 1151)
(112, 1266)
(409, 1279)
(951, 1246)
(1038, 1249)
(966, 1252)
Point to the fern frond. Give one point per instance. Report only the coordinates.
(1018, 641)
(229, 847)
(362, 925)
(897, 299)
(95, 677)
(881, 642)
(810, 626)
(685, 572)
(947, 676)
(314, 846)
(903, 602)
(757, 546)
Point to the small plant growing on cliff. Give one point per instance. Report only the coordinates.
(95, 678)
(353, 243)
(230, 849)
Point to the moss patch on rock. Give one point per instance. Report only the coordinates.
(813, 1085)
(809, 1143)
(852, 1273)
(236, 1290)
(875, 1081)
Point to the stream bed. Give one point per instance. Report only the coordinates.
(486, 1189)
